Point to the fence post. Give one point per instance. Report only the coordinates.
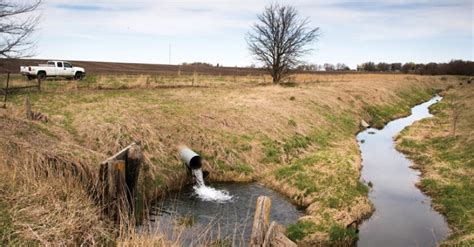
(29, 113)
(39, 84)
(132, 171)
(6, 91)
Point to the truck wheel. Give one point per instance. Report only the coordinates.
(78, 76)
(30, 77)
(41, 75)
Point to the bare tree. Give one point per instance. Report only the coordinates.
(329, 67)
(342, 67)
(17, 23)
(280, 38)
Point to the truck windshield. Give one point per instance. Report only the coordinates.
(67, 65)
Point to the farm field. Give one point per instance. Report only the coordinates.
(107, 68)
(297, 138)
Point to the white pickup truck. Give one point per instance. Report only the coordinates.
(53, 69)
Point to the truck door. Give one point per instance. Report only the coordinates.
(60, 70)
(68, 71)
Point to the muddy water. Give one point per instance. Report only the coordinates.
(191, 218)
(403, 215)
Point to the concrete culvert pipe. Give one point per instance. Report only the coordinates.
(191, 159)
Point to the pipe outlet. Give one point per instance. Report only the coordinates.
(191, 159)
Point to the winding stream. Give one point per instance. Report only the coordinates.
(403, 215)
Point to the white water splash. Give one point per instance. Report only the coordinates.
(206, 193)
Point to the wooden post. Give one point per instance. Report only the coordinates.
(261, 220)
(271, 232)
(263, 234)
(6, 91)
(39, 84)
(29, 114)
(118, 181)
(275, 237)
(115, 187)
(132, 170)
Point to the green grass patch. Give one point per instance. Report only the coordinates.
(295, 143)
(322, 138)
(340, 234)
(305, 182)
(288, 171)
(272, 151)
(241, 143)
(301, 229)
(383, 113)
(243, 168)
(343, 122)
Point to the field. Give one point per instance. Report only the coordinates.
(13, 66)
(297, 138)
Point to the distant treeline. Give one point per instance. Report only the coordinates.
(324, 67)
(455, 67)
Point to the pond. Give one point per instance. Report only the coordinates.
(220, 213)
(403, 214)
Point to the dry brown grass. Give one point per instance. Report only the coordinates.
(47, 204)
(245, 128)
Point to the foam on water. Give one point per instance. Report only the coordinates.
(207, 193)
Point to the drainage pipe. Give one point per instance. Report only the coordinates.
(191, 159)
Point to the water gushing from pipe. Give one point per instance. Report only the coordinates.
(207, 193)
(197, 173)
(192, 160)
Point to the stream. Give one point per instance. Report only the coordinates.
(403, 214)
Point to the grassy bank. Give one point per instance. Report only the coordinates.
(442, 147)
(297, 138)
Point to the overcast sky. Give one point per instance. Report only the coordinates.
(214, 31)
